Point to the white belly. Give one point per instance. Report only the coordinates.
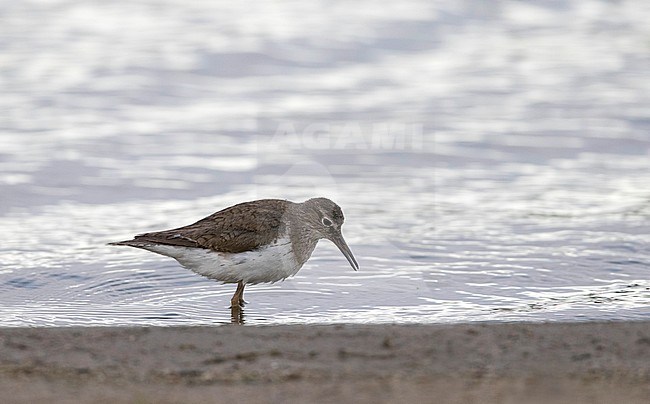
(271, 264)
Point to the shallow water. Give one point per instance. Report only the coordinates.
(492, 162)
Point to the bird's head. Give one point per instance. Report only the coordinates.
(324, 219)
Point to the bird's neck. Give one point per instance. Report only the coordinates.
(303, 239)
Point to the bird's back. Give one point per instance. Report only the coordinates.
(242, 227)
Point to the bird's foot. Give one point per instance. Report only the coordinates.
(237, 303)
(237, 315)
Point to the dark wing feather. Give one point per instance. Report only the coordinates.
(239, 228)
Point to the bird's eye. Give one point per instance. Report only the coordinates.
(327, 222)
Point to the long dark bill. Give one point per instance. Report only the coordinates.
(343, 246)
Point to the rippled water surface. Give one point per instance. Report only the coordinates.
(493, 161)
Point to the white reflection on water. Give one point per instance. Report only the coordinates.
(76, 280)
(517, 190)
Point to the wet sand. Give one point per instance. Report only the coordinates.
(482, 363)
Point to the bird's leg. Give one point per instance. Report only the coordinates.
(238, 298)
(242, 302)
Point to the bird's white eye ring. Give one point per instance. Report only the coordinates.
(327, 222)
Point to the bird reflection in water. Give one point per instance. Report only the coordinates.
(237, 315)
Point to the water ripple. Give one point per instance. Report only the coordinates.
(489, 170)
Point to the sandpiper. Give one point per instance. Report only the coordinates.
(253, 242)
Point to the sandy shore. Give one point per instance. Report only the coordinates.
(495, 363)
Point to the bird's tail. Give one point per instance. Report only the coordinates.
(130, 243)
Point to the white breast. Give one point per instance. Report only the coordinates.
(270, 264)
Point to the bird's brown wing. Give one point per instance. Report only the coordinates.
(239, 228)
